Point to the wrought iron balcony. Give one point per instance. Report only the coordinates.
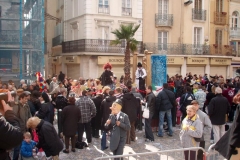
(220, 18)
(188, 49)
(224, 50)
(163, 20)
(199, 14)
(57, 40)
(126, 11)
(103, 9)
(235, 32)
(94, 45)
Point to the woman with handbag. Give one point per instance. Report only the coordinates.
(191, 132)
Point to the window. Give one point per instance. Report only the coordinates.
(235, 18)
(197, 36)
(126, 8)
(126, 3)
(198, 4)
(103, 6)
(103, 32)
(162, 40)
(219, 5)
(163, 6)
(218, 38)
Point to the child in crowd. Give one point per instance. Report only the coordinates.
(28, 150)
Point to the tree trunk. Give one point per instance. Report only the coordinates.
(127, 78)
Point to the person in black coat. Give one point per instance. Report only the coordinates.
(46, 112)
(48, 138)
(107, 75)
(11, 135)
(229, 145)
(61, 76)
(70, 118)
(105, 111)
(96, 121)
(130, 106)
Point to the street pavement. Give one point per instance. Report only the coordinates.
(139, 146)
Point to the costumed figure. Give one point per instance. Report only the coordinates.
(107, 76)
(120, 124)
(229, 144)
(140, 78)
(41, 82)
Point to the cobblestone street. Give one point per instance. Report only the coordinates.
(165, 143)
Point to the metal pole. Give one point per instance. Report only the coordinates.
(59, 117)
(20, 38)
(42, 38)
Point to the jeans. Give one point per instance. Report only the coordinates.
(161, 120)
(148, 129)
(16, 152)
(103, 140)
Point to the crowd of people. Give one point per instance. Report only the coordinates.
(105, 106)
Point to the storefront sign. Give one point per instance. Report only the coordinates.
(197, 60)
(220, 61)
(112, 60)
(71, 59)
(175, 60)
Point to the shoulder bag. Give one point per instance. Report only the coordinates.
(146, 112)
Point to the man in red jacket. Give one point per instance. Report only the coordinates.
(229, 94)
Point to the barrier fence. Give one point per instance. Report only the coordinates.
(174, 154)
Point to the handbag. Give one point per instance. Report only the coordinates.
(146, 112)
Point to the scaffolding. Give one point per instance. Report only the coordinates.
(21, 39)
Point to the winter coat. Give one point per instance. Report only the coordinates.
(230, 140)
(48, 139)
(217, 109)
(96, 121)
(200, 96)
(10, 132)
(23, 113)
(150, 100)
(207, 125)
(70, 118)
(46, 112)
(105, 110)
(195, 130)
(130, 106)
(27, 148)
(229, 94)
(61, 102)
(164, 99)
(106, 78)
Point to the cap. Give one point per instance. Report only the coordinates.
(118, 101)
(27, 92)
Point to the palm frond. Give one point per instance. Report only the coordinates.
(115, 42)
(133, 44)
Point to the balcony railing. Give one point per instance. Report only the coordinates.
(163, 20)
(57, 40)
(199, 14)
(224, 50)
(95, 45)
(103, 9)
(220, 18)
(234, 32)
(127, 11)
(187, 49)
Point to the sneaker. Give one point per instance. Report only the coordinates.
(148, 140)
(159, 135)
(211, 141)
(170, 135)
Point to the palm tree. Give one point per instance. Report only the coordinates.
(126, 32)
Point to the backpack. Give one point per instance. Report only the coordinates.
(186, 102)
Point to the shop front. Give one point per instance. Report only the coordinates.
(174, 65)
(73, 66)
(196, 65)
(219, 66)
(56, 64)
(117, 63)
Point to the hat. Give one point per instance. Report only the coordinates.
(139, 64)
(20, 91)
(99, 92)
(118, 101)
(27, 92)
(218, 90)
(107, 65)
